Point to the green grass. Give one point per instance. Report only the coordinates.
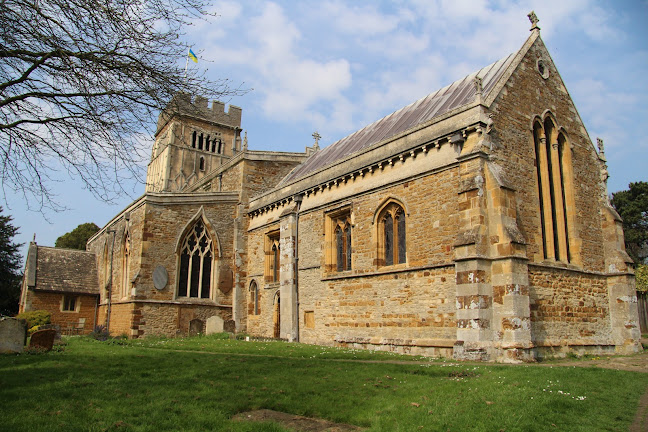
(127, 385)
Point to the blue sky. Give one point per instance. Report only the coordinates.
(335, 66)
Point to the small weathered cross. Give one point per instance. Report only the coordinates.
(317, 137)
(534, 20)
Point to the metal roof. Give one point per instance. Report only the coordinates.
(458, 93)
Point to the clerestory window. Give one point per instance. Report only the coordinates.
(196, 263)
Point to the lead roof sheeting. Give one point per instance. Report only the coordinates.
(446, 99)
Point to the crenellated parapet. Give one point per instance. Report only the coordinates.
(199, 107)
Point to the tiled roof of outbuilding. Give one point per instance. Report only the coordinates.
(458, 93)
(66, 270)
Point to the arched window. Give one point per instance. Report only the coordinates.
(193, 139)
(272, 254)
(343, 245)
(202, 163)
(126, 251)
(254, 299)
(392, 243)
(200, 142)
(552, 164)
(196, 259)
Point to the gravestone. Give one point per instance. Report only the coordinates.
(214, 325)
(196, 327)
(13, 333)
(229, 326)
(43, 339)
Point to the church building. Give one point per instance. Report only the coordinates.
(472, 224)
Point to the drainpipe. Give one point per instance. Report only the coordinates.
(298, 200)
(112, 252)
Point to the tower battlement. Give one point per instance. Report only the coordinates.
(199, 107)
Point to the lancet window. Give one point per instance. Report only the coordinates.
(272, 254)
(338, 234)
(126, 253)
(196, 262)
(254, 298)
(553, 171)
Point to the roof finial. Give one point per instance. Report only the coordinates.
(317, 137)
(534, 21)
(477, 81)
(601, 149)
(245, 142)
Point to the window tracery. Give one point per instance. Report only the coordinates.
(196, 262)
(392, 241)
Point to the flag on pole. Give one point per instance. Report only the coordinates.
(192, 56)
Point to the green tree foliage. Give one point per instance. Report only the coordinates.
(641, 273)
(78, 237)
(10, 264)
(632, 206)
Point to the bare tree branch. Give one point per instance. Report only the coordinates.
(81, 84)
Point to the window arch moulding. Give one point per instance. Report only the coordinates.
(555, 187)
(198, 253)
(390, 233)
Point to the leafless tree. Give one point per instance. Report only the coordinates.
(81, 83)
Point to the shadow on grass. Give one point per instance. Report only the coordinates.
(99, 386)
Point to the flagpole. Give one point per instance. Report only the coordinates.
(187, 64)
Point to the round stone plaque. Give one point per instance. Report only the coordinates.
(160, 277)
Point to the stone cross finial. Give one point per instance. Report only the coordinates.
(534, 20)
(478, 86)
(317, 137)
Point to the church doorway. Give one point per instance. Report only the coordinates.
(276, 316)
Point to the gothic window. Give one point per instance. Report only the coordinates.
(196, 259)
(202, 163)
(337, 234)
(200, 142)
(272, 253)
(392, 246)
(126, 253)
(553, 164)
(193, 139)
(254, 298)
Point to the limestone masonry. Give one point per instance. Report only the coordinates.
(473, 223)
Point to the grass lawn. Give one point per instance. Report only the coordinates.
(163, 384)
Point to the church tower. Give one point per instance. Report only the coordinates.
(192, 140)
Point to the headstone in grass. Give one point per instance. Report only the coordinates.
(214, 325)
(196, 327)
(43, 339)
(13, 333)
(229, 326)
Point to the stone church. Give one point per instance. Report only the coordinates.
(473, 223)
